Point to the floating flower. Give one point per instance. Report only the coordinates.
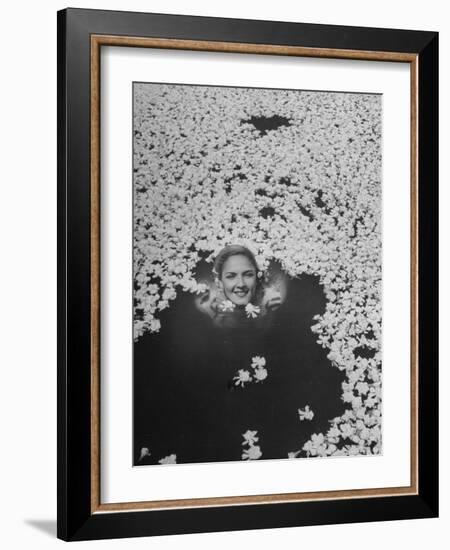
(362, 388)
(163, 304)
(171, 459)
(226, 305)
(316, 446)
(258, 361)
(252, 311)
(306, 413)
(260, 374)
(144, 452)
(155, 325)
(252, 453)
(333, 434)
(347, 430)
(242, 378)
(250, 437)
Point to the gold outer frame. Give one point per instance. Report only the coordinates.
(97, 41)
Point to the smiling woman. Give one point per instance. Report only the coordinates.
(239, 290)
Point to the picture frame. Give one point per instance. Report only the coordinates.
(82, 34)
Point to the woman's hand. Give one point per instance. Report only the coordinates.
(272, 299)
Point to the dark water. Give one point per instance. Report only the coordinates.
(185, 402)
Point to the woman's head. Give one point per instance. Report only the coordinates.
(237, 274)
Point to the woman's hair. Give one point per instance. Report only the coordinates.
(232, 250)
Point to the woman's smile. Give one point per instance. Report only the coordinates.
(241, 293)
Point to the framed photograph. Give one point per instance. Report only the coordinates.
(247, 253)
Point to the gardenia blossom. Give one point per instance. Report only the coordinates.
(316, 446)
(250, 451)
(252, 311)
(226, 305)
(250, 437)
(260, 374)
(258, 362)
(242, 377)
(171, 459)
(306, 413)
(155, 325)
(144, 452)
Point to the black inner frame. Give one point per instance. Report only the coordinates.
(75, 521)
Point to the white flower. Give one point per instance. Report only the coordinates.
(362, 387)
(316, 445)
(260, 374)
(144, 452)
(155, 325)
(226, 305)
(250, 437)
(252, 311)
(163, 304)
(347, 396)
(347, 430)
(242, 378)
(317, 439)
(169, 294)
(306, 413)
(171, 459)
(258, 361)
(333, 434)
(252, 453)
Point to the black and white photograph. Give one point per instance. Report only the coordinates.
(222, 236)
(256, 274)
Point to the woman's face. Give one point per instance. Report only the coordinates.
(238, 279)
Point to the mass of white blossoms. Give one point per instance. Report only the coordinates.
(295, 177)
